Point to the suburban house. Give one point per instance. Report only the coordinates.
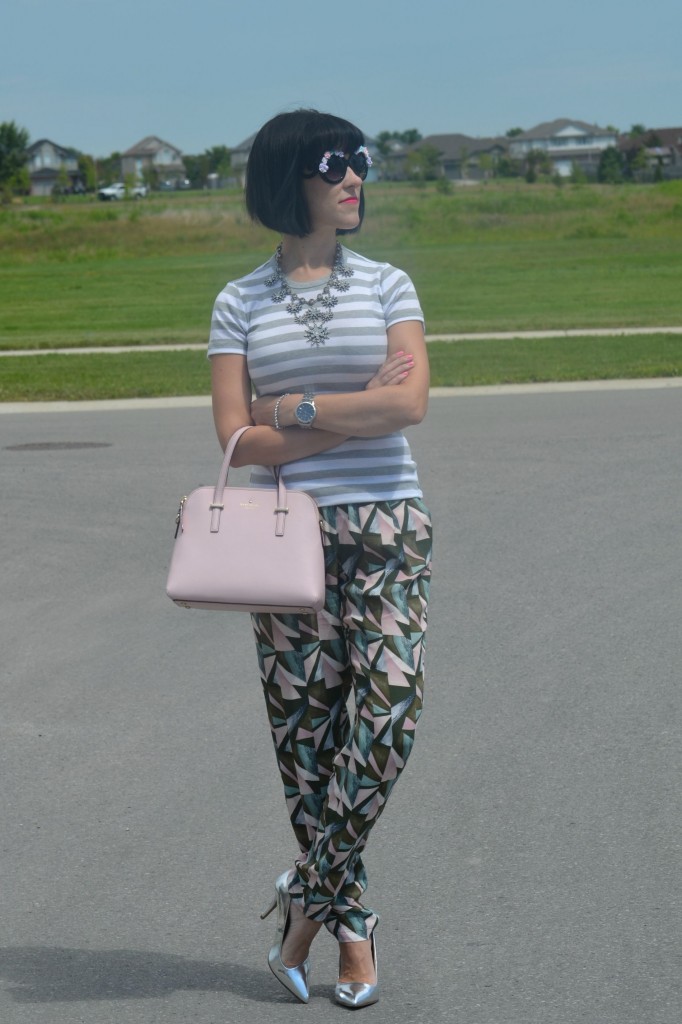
(47, 162)
(463, 158)
(153, 155)
(239, 157)
(662, 148)
(567, 143)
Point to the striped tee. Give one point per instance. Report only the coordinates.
(247, 322)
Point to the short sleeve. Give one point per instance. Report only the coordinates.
(228, 324)
(398, 297)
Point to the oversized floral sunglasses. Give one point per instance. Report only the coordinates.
(333, 165)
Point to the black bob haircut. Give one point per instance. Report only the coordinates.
(284, 149)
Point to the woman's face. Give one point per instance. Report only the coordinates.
(334, 206)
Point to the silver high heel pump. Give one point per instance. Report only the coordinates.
(356, 994)
(294, 979)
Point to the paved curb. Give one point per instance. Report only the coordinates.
(488, 390)
(559, 387)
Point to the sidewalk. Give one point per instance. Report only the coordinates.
(591, 332)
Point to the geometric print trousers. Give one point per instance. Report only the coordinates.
(343, 691)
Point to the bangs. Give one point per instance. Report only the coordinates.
(329, 133)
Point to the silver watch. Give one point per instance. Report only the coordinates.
(305, 410)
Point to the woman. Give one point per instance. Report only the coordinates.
(333, 345)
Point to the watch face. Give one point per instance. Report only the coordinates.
(305, 412)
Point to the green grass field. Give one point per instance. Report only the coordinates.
(495, 257)
(453, 364)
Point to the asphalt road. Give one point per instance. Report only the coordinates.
(528, 868)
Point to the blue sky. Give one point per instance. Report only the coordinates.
(99, 76)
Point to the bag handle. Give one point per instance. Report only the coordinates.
(217, 504)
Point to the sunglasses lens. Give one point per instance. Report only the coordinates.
(358, 163)
(336, 169)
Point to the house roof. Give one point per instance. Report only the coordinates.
(61, 150)
(549, 129)
(245, 146)
(667, 137)
(148, 146)
(452, 146)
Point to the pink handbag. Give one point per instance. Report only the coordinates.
(248, 549)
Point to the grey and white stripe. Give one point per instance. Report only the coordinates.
(246, 322)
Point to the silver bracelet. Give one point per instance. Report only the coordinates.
(276, 416)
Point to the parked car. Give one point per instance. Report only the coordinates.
(118, 191)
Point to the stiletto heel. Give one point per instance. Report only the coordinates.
(270, 909)
(294, 979)
(356, 994)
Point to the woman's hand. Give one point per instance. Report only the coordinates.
(263, 411)
(262, 446)
(393, 371)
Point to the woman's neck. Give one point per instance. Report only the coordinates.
(309, 258)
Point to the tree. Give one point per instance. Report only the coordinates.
(196, 169)
(610, 170)
(62, 184)
(87, 171)
(219, 161)
(507, 167)
(407, 138)
(109, 168)
(578, 175)
(422, 164)
(13, 145)
(391, 146)
(486, 164)
(537, 162)
(638, 158)
(150, 176)
(383, 141)
(216, 160)
(511, 133)
(636, 162)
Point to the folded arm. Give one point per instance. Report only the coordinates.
(396, 397)
(262, 446)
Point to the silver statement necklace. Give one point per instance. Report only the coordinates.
(311, 314)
